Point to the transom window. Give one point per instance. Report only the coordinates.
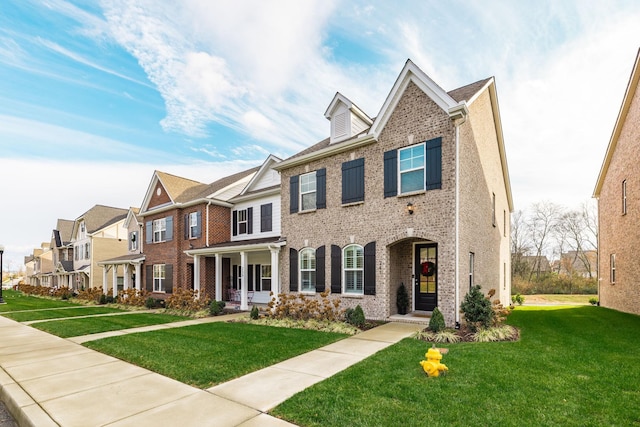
(308, 191)
(193, 225)
(308, 270)
(158, 277)
(411, 169)
(242, 221)
(353, 269)
(160, 230)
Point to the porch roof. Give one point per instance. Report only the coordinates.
(124, 259)
(239, 246)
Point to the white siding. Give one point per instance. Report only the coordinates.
(255, 204)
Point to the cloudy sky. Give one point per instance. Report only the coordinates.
(96, 95)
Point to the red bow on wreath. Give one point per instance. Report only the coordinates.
(428, 268)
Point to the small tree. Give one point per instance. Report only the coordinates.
(402, 299)
(436, 324)
(477, 309)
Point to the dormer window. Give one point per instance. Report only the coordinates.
(347, 120)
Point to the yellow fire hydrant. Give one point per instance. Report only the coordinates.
(432, 365)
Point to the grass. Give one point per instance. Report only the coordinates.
(573, 366)
(208, 354)
(24, 316)
(16, 301)
(93, 325)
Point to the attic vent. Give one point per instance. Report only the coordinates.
(340, 124)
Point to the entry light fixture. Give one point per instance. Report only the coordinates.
(410, 208)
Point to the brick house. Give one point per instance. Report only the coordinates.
(619, 207)
(179, 214)
(418, 195)
(247, 260)
(97, 234)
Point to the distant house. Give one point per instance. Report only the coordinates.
(62, 253)
(581, 263)
(42, 266)
(618, 193)
(418, 195)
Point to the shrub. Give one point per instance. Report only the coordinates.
(436, 324)
(186, 300)
(301, 307)
(216, 307)
(355, 316)
(593, 301)
(111, 299)
(499, 333)
(91, 294)
(477, 309)
(134, 297)
(517, 299)
(402, 299)
(103, 299)
(255, 313)
(150, 303)
(444, 336)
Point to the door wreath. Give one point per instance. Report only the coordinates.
(428, 268)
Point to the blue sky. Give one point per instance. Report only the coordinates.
(95, 95)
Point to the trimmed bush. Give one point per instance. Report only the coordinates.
(436, 324)
(216, 307)
(355, 316)
(477, 309)
(255, 313)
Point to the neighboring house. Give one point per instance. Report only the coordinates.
(42, 265)
(618, 195)
(581, 263)
(536, 263)
(131, 263)
(247, 260)
(62, 253)
(180, 214)
(97, 235)
(28, 268)
(418, 195)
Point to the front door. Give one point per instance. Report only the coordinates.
(426, 277)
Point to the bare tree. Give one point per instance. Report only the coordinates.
(520, 245)
(544, 219)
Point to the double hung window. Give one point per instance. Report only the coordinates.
(158, 277)
(160, 230)
(412, 169)
(353, 269)
(308, 270)
(308, 191)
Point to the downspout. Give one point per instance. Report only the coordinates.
(459, 122)
(208, 204)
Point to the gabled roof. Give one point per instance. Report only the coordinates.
(99, 217)
(178, 188)
(132, 215)
(63, 232)
(250, 188)
(632, 86)
(339, 98)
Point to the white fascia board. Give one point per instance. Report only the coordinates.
(340, 98)
(335, 148)
(235, 248)
(185, 205)
(147, 197)
(256, 195)
(411, 73)
(266, 165)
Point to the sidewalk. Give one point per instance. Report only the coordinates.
(51, 381)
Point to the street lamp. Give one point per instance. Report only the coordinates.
(1, 252)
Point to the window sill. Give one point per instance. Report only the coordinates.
(307, 211)
(411, 194)
(354, 296)
(346, 205)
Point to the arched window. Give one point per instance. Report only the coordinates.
(308, 270)
(353, 269)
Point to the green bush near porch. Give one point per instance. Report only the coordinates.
(573, 366)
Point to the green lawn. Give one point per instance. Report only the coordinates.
(93, 325)
(24, 316)
(16, 301)
(573, 366)
(208, 354)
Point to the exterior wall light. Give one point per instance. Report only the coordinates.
(410, 208)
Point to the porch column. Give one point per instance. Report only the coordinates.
(196, 273)
(275, 273)
(244, 286)
(125, 276)
(218, 277)
(138, 272)
(115, 280)
(105, 269)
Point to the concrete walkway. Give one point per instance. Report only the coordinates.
(51, 381)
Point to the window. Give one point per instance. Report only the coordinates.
(86, 251)
(612, 263)
(472, 258)
(308, 270)
(411, 168)
(193, 225)
(242, 221)
(353, 181)
(158, 277)
(504, 223)
(160, 230)
(624, 197)
(265, 277)
(266, 217)
(76, 254)
(308, 191)
(133, 240)
(353, 269)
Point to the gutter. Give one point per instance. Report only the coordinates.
(185, 205)
(459, 121)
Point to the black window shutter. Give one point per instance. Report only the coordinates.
(250, 277)
(148, 280)
(293, 192)
(169, 235)
(433, 164)
(148, 237)
(249, 220)
(168, 278)
(353, 181)
(320, 273)
(258, 275)
(321, 188)
(293, 270)
(336, 269)
(390, 173)
(186, 226)
(235, 223)
(198, 224)
(370, 268)
(266, 217)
